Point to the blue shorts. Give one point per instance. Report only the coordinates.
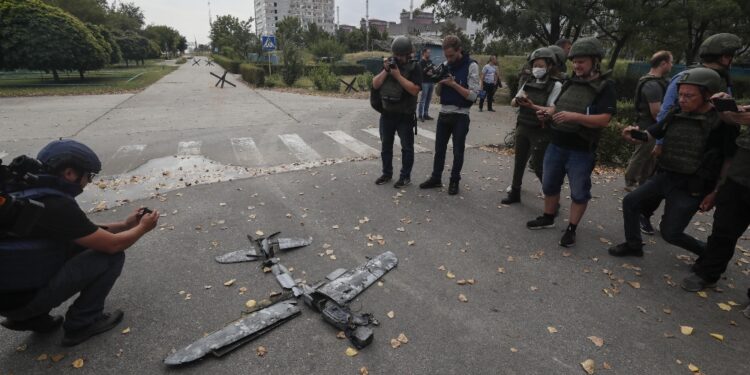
(577, 165)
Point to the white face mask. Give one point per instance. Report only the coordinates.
(538, 72)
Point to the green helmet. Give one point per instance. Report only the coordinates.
(703, 77)
(720, 44)
(543, 53)
(586, 47)
(401, 46)
(559, 53)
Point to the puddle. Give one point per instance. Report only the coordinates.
(159, 176)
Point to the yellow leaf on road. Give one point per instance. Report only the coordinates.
(588, 366)
(702, 294)
(686, 330)
(693, 368)
(230, 282)
(450, 275)
(402, 338)
(462, 298)
(126, 331)
(78, 363)
(552, 329)
(42, 357)
(717, 336)
(391, 314)
(261, 351)
(598, 341)
(259, 233)
(634, 284)
(341, 335)
(395, 343)
(724, 306)
(351, 352)
(363, 371)
(251, 303)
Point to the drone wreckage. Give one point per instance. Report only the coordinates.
(329, 297)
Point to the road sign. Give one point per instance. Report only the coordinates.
(268, 42)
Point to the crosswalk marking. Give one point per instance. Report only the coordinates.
(245, 149)
(301, 150)
(3, 154)
(396, 140)
(431, 135)
(189, 148)
(351, 143)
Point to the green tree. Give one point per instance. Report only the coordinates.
(116, 55)
(328, 48)
(125, 17)
(91, 11)
(166, 37)
(289, 34)
(450, 28)
(41, 37)
(136, 48)
(314, 34)
(229, 31)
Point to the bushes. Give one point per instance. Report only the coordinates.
(324, 79)
(626, 113)
(233, 66)
(181, 60)
(293, 63)
(364, 81)
(613, 150)
(328, 48)
(741, 87)
(346, 69)
(274, 80)
(253, 74)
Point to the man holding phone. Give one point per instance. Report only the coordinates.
(697, 148)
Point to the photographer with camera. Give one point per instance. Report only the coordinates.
(398, 84)
(428, 84)
(698, 146)
(62, 252)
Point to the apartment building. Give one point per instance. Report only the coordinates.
(269, 12)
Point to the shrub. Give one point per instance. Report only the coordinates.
(324, 79)
(253, 74)
(364, 81)
(626, 113)
(328, 48)
(613, 150)
(233, 66)
(181, 60)
(346, 69)
(274, 80)
(293, 63)
(741, 87)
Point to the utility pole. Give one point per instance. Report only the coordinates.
(210, 20)
(411, 10)
(338, 18)
(367, 25)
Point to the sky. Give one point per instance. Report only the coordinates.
(190, 17)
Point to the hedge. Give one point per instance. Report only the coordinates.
(253, 74)
(338, 69)
(233, 66)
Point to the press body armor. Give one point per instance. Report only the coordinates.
(685, 141)
(537, 93)
(577, 96)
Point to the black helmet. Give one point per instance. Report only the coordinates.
(401, 46)
(67, 152)
(703, 77)
(720, 44)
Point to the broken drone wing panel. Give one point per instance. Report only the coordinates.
(293, 243)
(237, 333)
(239, 256)
(353, 282)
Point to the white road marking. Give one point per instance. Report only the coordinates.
(431, 135)
(351, 143)
(301, 150)
(3, 154)
(189, 148)
(128, 150)
(245, 149)
(396, 140)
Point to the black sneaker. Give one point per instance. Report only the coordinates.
(695, 283)
(428, 118)
(646, 227)
(40, 324)
(514, 196)
(568, 239)
(106, 322)
(383, 179)
(453, 188)
(541, 222)
(431, 184)
(402, 182)
(625, 250)
(490, 110)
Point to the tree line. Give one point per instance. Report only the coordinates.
(79, 35)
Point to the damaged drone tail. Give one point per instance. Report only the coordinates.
(237, 333)
(347, 286)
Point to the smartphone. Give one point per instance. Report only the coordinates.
(725, 105)
(639, 135)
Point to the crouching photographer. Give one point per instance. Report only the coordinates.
(50, 250)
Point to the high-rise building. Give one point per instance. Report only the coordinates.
(269, 12)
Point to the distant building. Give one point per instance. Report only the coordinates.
(347, 28)
(379, 25)
(269, 12)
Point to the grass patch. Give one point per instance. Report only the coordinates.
(112, 80)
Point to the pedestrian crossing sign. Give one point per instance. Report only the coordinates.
(268, 42)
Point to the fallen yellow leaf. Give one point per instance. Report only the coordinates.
(598, 341)
(717, 336)
(341, 335)
(402, 338)
(461, 282)
(251, 303)
(686, 330)
(634, 284)
(261, 351)
(724, 306)
(391, 314)
(514, 350)
(450, 275)
(126, 331)
(259, 233)
(42, 357)
(501, 270)
(351, 352)
(78, 363)
(702, 294)
(462, 298)
(693, 368)
(363, 371)
(230, 282)
(395, 343)
(607, 366)
(588, 366)
(552, 329)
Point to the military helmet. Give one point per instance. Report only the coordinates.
(69, 153)
(720, 44)
(543, 53)
(401, 46)
(559, 53)
(586, 47)
(703, 77)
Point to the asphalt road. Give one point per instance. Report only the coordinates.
(531, 310)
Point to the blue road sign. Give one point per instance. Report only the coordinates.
(268, 42)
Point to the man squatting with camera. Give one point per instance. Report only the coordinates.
(64, 253)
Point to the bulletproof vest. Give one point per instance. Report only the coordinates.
(395, 98)
(685, 141)
(460, 72)
(644, 118)
(577, 95)
(537, 93)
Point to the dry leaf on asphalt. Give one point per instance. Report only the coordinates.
(351, 352)
(693, 368)
(363, 371)
(261, 351)
(259, 233)
(57, 357)
(410, 243)
(588, 366)
(441, 268)
(21, 348)
(78, 363)
(341, 335)
(126, 331)
(230, 282)
(686, 330)
(724, 306)
(462, 298)
(395, 343)
(450, 275)
(391, 314)
(552, 329)
(42, 357)
(501, 270)
(461, 282)
(514, 350)
(251, 303)
(598, 341)
(634, 284)
(402, 338)
(702, 294)
(718, 336)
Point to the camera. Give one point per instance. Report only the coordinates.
(441, 72)
(392, 63)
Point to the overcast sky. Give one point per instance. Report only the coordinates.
(190, 17)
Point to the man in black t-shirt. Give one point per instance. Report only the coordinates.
(65, 253)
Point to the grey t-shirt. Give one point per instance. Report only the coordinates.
(651, 92)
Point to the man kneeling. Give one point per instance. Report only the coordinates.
(64, 252)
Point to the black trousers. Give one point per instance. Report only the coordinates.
(490, 89)
(731, 219)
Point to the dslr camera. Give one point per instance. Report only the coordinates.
(391, 63)
(441, 72)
